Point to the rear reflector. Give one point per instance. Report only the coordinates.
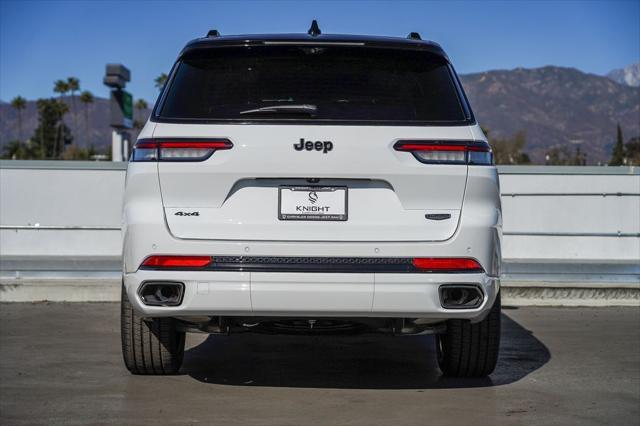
(457, 264)
(177, 149)
(448, 152)
(176, 261)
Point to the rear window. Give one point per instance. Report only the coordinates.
(341, 83)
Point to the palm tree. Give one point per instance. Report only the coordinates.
(141, 105)
(19, 103)
(160, 81)
(61, 87)
(74, 86)
(86, 98)
(61, 109)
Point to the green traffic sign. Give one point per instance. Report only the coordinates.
(127, 105)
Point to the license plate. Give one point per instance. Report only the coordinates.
(312, 203)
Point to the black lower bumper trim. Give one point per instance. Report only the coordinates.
(313, 264)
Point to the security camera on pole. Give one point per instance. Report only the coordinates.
(116, 77)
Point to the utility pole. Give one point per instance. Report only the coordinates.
(116, 77)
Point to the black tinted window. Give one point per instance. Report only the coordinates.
(344, 83)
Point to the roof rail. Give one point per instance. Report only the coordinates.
(213, 33)
(414, 36)
(314, 30)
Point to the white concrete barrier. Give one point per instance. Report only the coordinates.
(585, 219)
(60, 208)
(584, 214)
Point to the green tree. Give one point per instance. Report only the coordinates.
(61, 87)
(75, 153)
(617, 156)
(509, 150)
(91, 151)
(17, 150)
(160, 81)
(74, 85)
(64, 133)
(580, 159)
(86, 98)
(51, 130)
(141, 105)
(557, 156)
(19, 103)
(632, 149)
(562, 156)
(14, 150)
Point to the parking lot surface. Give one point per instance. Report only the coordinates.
(61, 364)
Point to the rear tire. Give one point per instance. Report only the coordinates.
(470, 350)
(149, 346)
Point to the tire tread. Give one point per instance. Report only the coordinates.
(470, 350)
(151, 346)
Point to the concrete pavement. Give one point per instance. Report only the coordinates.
(61, 364)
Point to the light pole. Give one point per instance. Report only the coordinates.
(116, 77)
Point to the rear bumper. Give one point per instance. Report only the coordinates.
(311, 294)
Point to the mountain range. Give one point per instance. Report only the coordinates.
(629, 75)
(554, 106)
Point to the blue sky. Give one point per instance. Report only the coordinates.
(41, 41)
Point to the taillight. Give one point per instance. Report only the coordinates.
(452, 264)
(176, 261)
(448, 152)
(177, 149)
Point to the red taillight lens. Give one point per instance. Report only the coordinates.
(177, 149)
(424, 147)
(176, 261)
(457, 264)
(448, 152)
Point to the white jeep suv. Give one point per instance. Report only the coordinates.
(311, 183)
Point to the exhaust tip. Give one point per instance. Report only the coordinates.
(461, 296)
(158, 293)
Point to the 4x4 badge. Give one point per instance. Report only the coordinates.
(324, 146)
(187, 213)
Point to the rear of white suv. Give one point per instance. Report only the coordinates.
(312, 184)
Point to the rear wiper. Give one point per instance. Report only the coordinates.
(284, 109)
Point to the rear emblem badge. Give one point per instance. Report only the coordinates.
(313, 197)
(438, 216)
(324, 146)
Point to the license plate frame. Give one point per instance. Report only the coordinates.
(310, 216)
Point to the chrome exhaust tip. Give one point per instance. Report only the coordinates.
(461, 296)
(161, 293)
